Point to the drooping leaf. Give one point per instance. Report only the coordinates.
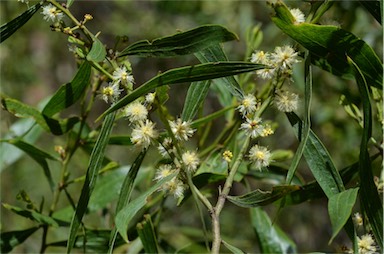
(271, 238)
(35, 216)
(126, 191)
(69, 3)
(318, 160)
(369, 197)
(340, 209)
(329, 46)
(232, 248)
(261, 198)
(9, 28)
(183, 43)
(11, 239)
(221, 86)
(186, 74)
(374, 8)
(97, 52)
(19, 109)
(39, 156)
(69, 93)
(195, 97)
(147, 235)
(95, 163)
(126, 213)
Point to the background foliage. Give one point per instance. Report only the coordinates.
(35, 62)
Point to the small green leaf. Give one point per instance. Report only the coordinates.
(39, 156)
(261, 198)
(271, 238)
(9, 28)
(69, 93)
(147, 235)
(69, 3)
(232, 248)
(183, 43)
(126, 213)
(195, 97)
(95, 164)
(19, 109)
(330, 45)
(97, 52)
(35, 216)
(11, 239)
(340, 208)
(186, 74)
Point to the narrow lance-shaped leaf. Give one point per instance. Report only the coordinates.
(9, 28)
(95, 165)
(340, 209)
(261, 198)
(186, 74)
(374, 8)
(126, 213)
(232, 248)
(271, 238)
(224, 85)
(19, 109)
(369, 196)
(318, 160)
(69, 93)
(183, 43)
(330, 45)
(195, 97)
(126, 191)
(39, 156)
(11, 239)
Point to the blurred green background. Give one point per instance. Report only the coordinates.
(35, 61)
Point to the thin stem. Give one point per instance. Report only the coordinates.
(222, 197)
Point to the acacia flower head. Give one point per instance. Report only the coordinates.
(266, 130)
(144, 133)
(51, 13)
(248, 105)
(174, 187)
(121, 75)
(259, 56)
(252, 127)
(166, 147)
(366, 244)
(227, 156)
(150, 98)
(135, 112)
(357, 219)
(260, 156)
(287, 101)
(190, 160)
(284, 57)
(110, 93)
(164, 171)
(181, 129)
(298, 15)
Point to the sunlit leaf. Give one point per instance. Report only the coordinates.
(9, 28)
(69, 93)
(11, 239)
(271, 238)
(126, 213)
(340, 208)
(95, 164)
(260, 198)
(330, 45)
(97, 52)
(35, 216)
(186, 74)
(183, 43)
